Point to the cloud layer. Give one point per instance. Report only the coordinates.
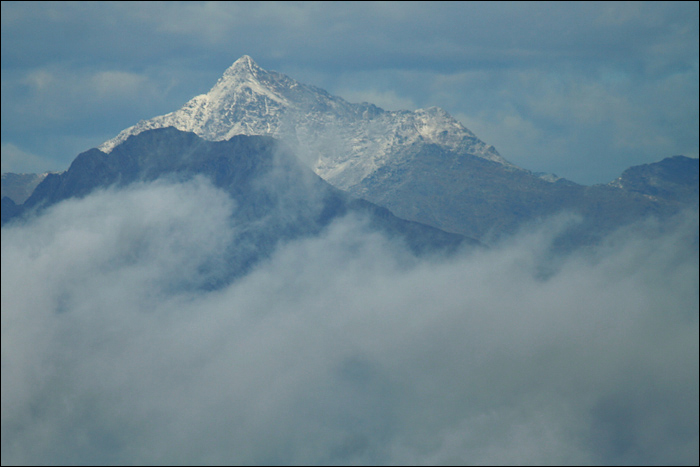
(339, 349)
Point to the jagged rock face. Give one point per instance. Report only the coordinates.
(343, 143)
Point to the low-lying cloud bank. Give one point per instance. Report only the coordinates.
(339, 349)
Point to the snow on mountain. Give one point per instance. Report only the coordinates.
(342, 142)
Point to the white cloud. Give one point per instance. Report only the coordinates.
(337, 349)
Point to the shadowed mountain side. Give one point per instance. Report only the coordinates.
(8, 210)
(494, 200)
(277, 198)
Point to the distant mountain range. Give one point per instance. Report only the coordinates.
(421, 165)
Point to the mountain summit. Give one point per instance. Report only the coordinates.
(344, 143)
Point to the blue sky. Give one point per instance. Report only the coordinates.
(583, 90)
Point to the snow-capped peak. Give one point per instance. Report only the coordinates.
(242, 77)
(342, 142)
(245, 64)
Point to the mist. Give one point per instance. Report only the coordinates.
(342, 348)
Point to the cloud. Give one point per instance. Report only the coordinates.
(339, 349)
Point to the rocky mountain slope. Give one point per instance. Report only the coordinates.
(277, 198)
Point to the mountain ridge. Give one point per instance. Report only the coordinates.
(277, 198)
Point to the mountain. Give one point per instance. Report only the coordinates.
(18, 187)
(342, 142)
(483, 199)
(422, 165)
(277, 197)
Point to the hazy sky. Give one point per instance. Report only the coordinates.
(583, 90)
